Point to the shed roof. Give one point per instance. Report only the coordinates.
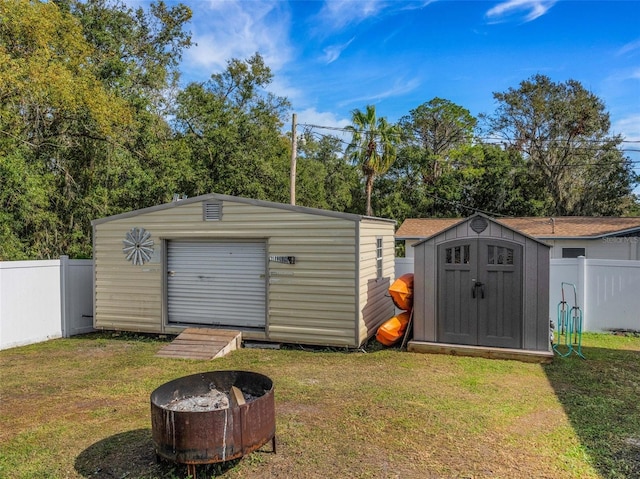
(537, 227)
(238, 199)
(456, 221)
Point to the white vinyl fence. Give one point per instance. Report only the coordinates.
(41, 300)
(403, 265)
(607, 291)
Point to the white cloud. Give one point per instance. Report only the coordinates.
(629, 47)
(400, 87)
(332, 52)
(311, 116)
(628, 127)
(338, 14)
(281, 86)
(510, 9)
(236, 29)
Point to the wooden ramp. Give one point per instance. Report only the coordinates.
(201, 343)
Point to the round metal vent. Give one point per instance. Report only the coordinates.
(479, 224)
(138, 246)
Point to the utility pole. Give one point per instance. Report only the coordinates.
(294, 154)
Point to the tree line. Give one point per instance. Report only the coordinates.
(93, 123)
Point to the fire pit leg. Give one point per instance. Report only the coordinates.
(273, 444)
(191, 470)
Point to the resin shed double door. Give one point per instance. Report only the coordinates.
(480, 283)
(480, 292)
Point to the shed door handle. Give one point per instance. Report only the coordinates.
(476, 285)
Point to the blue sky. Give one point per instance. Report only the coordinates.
(330, 57)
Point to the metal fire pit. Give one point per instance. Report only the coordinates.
(206, 437)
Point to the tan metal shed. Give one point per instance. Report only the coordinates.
(482, 285)
(277, 272)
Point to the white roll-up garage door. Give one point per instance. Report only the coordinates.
(216, 283)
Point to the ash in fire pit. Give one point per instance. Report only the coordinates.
(210, 401)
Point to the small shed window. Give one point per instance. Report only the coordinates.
(458, 255)
(573, 252)
(379, 257)
(212, 210)
(499, 255)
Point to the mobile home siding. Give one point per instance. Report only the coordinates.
(313, 301)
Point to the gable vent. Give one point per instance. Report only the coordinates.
(212, 210)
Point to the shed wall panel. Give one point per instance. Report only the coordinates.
(419, 294)
(530, 301)
(375, 306)
(424, 294)
(542, 312)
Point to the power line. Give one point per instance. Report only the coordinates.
(308, 130)
(487, 138)
(461, 205)
(562, 165)
(335, 128)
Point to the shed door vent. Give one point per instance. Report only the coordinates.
(212, 210)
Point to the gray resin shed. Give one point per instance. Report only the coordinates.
(276, 272)
(482, 285)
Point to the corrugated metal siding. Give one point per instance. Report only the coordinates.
(127, 297)
(216, 283)
(310, 302)
(313, 301)
(375, 304)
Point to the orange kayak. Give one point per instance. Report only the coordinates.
(401, 292)
(393, 329)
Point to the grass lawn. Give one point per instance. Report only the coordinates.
(79, 408)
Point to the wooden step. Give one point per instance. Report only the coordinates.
(202, 343)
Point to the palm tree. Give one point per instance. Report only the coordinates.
(372, 147)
